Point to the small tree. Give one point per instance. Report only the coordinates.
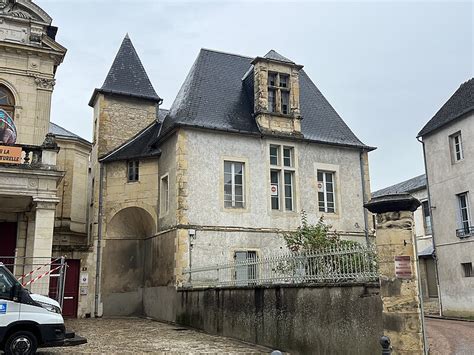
(318, 237)
(314, 236)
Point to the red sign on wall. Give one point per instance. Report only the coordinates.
(403, 267)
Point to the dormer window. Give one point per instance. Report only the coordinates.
(279, 93)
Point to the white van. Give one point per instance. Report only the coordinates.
(29, 321)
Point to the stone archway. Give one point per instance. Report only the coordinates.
(123, 260)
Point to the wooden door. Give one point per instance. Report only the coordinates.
(71, 289)
(8, 243)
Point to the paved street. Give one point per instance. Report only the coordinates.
(134, 335)
(450, 337)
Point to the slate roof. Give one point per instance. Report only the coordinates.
(277, 56)
(59, 131)
(460, 103)
(213, 96)
(127, 76)
(411, 185)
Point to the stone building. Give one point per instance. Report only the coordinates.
(29, 175)
(423, 233)
(448, 146)
(43, 175)
(247, 144)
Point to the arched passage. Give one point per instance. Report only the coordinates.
(123, 260)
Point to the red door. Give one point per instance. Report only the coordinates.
(71, 289)
(7, 243)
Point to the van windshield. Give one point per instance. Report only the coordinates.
(7, 281)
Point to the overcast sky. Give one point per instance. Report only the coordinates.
(386, 67)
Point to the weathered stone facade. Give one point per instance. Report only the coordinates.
(399, 285)
(276, 122)
(120, 119)
(29, 57)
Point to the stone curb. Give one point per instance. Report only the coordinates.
(449, 318)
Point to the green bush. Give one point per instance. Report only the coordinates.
(314, 236)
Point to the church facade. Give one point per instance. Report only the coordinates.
(246, 146)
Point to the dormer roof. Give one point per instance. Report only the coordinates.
(272, 54)
(127, 76)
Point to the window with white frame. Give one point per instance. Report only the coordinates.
(464, 212)
(234, 189)
(164, 195)
(133, 171)
(282, 177)
(456, 147)
(326, 191)
(426, 217)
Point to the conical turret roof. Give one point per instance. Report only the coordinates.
(127, 76)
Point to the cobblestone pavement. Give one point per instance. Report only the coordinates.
(450, 337)
(136, 335)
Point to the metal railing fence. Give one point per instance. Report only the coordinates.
(337, 264)
(44, 276)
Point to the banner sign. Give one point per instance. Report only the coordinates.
(10, 155)
(7, 128)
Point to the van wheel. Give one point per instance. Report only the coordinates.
(21, 342)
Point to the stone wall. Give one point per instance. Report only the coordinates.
(27, 69)
(120, 119)
(71, 211)
(343, 319)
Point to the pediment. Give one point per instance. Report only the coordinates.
(24, 10)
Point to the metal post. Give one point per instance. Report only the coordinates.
(62, 281)
(386, 348)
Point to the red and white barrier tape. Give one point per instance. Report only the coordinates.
(37, 269)
(41, 276)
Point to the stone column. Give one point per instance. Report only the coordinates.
(396, 249)
(39, 242)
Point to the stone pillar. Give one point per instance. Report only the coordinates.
(399, 289)
(39, 242)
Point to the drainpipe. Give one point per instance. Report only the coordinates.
(432, 227)
(362, 175)
(99, 239)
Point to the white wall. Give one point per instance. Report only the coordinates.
(255, 226)
(447, 179)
